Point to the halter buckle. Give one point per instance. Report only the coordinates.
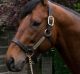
(51, 20)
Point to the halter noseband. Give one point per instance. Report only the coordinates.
(47, 34)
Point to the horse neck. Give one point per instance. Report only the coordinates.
(68, 40)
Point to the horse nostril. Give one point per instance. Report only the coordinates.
(11, 60)
(10, 63)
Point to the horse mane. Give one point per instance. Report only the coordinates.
(71, 10)
(76, 13)
(28, 7)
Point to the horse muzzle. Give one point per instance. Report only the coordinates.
(15, 66)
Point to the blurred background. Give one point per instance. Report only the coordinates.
(9, 18)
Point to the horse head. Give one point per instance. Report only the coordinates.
(33, 35)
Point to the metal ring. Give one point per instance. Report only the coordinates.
(47, 34)
(51, 18)
(29, 54)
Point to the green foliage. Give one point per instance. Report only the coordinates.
(77, 6)
(59, 64)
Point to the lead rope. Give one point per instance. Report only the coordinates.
(30, 63)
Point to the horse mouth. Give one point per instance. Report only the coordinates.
(14, 68)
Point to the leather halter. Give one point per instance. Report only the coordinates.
(47, 34)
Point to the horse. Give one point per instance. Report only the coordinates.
(46, 25)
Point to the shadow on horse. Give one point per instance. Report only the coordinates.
(46, 25)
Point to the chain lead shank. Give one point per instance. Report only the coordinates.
(30, 64)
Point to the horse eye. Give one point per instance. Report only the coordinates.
(35, 23)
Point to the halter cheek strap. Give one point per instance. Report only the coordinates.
(47, 33)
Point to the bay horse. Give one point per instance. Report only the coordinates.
(46, 25)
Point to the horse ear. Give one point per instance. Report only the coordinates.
(44, 2)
